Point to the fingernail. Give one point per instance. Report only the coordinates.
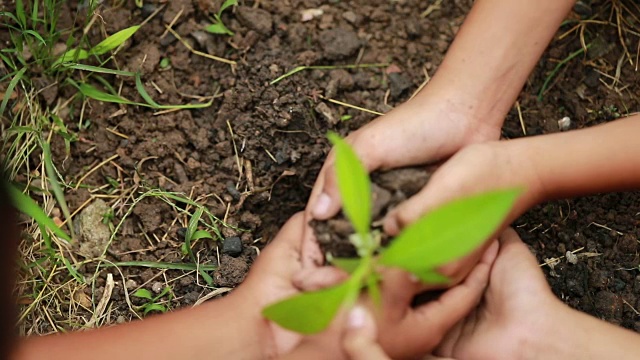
(322, 205)
(357, 317)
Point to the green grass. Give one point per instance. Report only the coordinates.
(52, 276)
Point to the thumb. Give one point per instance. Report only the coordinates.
(360, 336)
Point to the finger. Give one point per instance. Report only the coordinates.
(311, 279)
(310, 252)
(438, 317)
(398, 289)
(458, 270)
(360, 336)
(325, 201)
(283, 252)
(515, 257)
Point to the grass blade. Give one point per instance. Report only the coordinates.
(98, 69)
(55, 186)
(113, 41)
(93, 93)
(29, 207)
(10, 88)
(143, 92)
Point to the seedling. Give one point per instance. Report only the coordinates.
(440, 237)
(153, 302)
(218, 26)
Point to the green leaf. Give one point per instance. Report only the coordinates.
(154, 307)
(27, 206)
(227, 4)
(309, 313)
(349, 265)
(55, 185)
(114, 41)
(164, 292)
(143, 92)
(354, 185)
(9, 91)
(218, 28)
(21, 14)
(201, 234)
(143, 293)
(71, 55)
(449, 232)
(373, 289)
(98, 69)
(91, 92)
(36, 35)
(432, 277)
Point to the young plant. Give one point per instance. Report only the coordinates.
(218, 26)
(440, 237)
(153, 302)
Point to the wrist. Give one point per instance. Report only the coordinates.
(474, 123)
(248, 333)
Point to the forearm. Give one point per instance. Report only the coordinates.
(598, 159)
(210, 331)
(493, 54)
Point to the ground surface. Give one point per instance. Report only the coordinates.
(251, 158)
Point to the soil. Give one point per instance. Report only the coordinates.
(388, 189)
(253, 155)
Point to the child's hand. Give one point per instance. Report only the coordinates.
(405, 331)
(474, 169)
(516, 315)
(424, 130)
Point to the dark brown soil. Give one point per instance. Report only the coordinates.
(388, 189)
(276, 133)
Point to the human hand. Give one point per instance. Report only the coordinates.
(406, 331)
(517, 307)
(429, 128)
(474, 169)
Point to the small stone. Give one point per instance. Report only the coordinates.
(571, 257)
(232, 246)
(351, 17)
(398, 84)
(339, 43)
(255, 19)
(327, 113)
(121, 319)
(201, 37)
(157, 287)
(310, 14)
(130, 284)
(564, 124)
(93, 232)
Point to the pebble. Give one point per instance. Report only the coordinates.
(157, 287)
(232, 246)
(255, 19)
(130, 284)
(564, 124)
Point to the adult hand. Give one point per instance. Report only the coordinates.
(424, 130)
